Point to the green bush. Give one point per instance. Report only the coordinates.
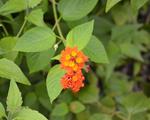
(99, 49)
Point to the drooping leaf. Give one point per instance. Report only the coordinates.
(76, 107)
(2, 111)
(110, 4)
(36, 17)
(80, 35)
(36, 40)
(131, 50)
(75, 9)
(137, 4)
(10, 70)
(53, 83)
(38, 61)
(14, 99)
(60, 110)
(13, 6)
(29, 114)
(96, 51)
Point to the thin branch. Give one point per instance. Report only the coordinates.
(56, 19)
(22, 27)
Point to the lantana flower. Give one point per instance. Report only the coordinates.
(73, 61)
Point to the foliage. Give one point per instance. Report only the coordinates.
(113, 34)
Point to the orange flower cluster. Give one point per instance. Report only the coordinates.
(73, 61)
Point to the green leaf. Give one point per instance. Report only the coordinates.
(131, 50)
(14, 99)
(110, 4)
(137, 4)
(41, 38)
(53, 83)
(76, 107)
(89, 94)
(74, 10)
(36, 17)
(135, 103)
(13, 6)
(60, 110)
(10, 70)
(95, 47)
(2, 110)
(38, 61)
(6, 45)
(100, 116)
(29, 114)
(80, 35)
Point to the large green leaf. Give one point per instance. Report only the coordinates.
(2, 111)
(12, 6)
(137, 4)
(14, 99)
(80, 35)
(38, 61)
(76, 107)
(36, 17)
(29, 114)
(60, 110)
(53, 83)
(10, 70)
(96, 51)
(35, 40)
(110, 4)
(75, 9)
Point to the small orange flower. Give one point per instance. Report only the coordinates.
(72, 59)
(73, 80)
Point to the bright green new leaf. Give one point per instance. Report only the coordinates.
(96, 51)
(100, 116)
(14, 99)
(137, 4)
(29, 114)
(38, 61)
(72, 10)
(110, 4)
(36, 40)
(13, 6)
(53, 83)
(2, 110)
(60, 110)
(131, 50)
(36, 17)
(76, 107)
(80, 35)
(135, 103)
(10, 70)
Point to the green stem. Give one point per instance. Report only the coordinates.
(5, 30)
(9, 116)
(56, 19)
(21, 29)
